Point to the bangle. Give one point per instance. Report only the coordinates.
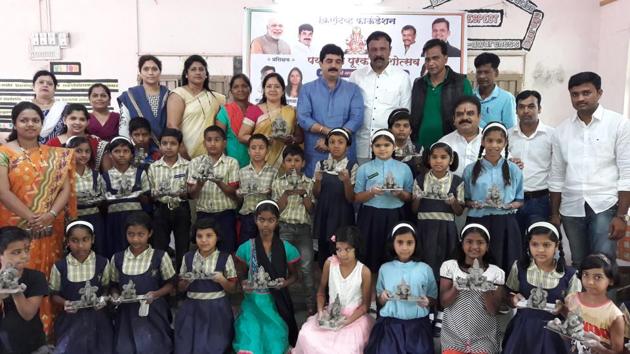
(321, 129)
(53, 213)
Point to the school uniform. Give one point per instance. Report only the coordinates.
(248, 176)
(171, 214)
(204, 323)
(151, 334)
(92, 182)
(118, 208)
(212, 202)
(88, 330)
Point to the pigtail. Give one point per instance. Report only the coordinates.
(477, 167)
(506, 167)
(454, 161)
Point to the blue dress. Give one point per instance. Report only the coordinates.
(88, 331)
(95, 218)
(143, 335)
(204, 326)
(525, 332)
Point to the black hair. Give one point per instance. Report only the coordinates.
(103, 86)
(525, 260)
(467, 99)
(207, 223)
(376, 35)
(74, 107)
(338, 133)
(172, 132)
(79, 226)
(45, 73)
(283, 99)
(305, 27)
(188, 63)
(267, 207)
(390, 251)
(258, 136)
(398, 114)
(460, 256)
(407, 28)
(17, 110)
(426, 155)
(217, 129)
(292, 150)
(267, 68)
(435, 43)
(289, 84)
(330, 49)
(505, 168)
(145, 58)
(586, 77)
(76, 141)
(528, 93)
(136, 123)
(351, 235)
(10, 234)
(139, 218)
(118, 142)
(242, 77)
(600, 260)
(487, 58)
(381, 136)
(441, 20)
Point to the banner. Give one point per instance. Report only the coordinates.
(289, 43)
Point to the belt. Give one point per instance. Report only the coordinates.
(172, 206)
(537, 194)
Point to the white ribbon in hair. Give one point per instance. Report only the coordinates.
(119, 138)
(470, 226)
(401, 225)
(546, 225)
(383, 132)
(495, 124)
(79, 222)
(340, 130)
(268, 201)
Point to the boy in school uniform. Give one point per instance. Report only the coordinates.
(168, 177)
(140, 133)
(293, 192)
(255, 184)
(216, 192)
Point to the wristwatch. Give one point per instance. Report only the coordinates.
(624, 217)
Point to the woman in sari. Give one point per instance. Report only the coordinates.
(36, 191)
(231, 116)
(147, 100)
(102, 123)
(266, 118)
(193, 107)
(44, 85)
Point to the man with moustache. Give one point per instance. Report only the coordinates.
(433, 96)
(590, 172)
(466, 139)
(305, 37)
(270, 42)
(530, 141)
(411, 49)
(326, 103)
(384, 88)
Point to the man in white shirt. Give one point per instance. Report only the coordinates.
(465, 140)
(384, 88)
(530, 141)
(590, 172)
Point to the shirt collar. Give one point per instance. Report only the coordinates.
(498, 165)
(199, 256)
(478, 136)
(598, 114)
(385, 71)
(146, 253)
(75, 262)
(554, 273)
(178, 162)
(324, 83)
(494, 94)
(266, 166)
(540, 128)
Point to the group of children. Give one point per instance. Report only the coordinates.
(407, 214)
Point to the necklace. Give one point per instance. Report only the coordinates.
(27, 154)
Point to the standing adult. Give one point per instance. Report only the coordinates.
(326, 103)
(44, 85)
(147, 100)
(272, 111)
(497, 105)
(231, 117)
(465, 140)
(384, 88)
(193, 106)
(102, 123)
(590, 172)
(531, 142)
(433, 96)
(35, 191)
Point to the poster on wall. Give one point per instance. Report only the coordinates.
(289, 43)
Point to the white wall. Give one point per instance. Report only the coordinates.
(107, 36)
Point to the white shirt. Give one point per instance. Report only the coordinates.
(300, 49)
(381, 95)
(591, 163)
(535, 152)
(414, 51)
(467, 152)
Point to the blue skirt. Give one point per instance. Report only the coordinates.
(393, 335)
(143, 335)
(526, 334)
(116, 239)
(85, 332)
(204, 327)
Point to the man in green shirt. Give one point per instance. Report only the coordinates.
(433, 96)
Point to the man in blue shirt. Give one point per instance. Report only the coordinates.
(497, 105)
(327, 103)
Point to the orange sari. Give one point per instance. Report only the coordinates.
(36, 179)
